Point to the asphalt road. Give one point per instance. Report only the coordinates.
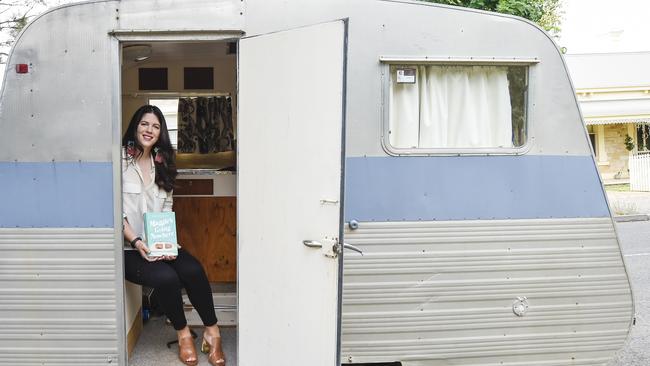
(635, 243)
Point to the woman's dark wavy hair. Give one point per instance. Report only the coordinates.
(165, 170)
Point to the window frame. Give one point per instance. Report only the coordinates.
(387, 62)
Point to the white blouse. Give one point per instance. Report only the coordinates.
(138, 199)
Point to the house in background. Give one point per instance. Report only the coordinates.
(613, 90)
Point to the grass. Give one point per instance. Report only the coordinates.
(624, 208)
(618, 187)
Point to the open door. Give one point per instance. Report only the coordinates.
(289, 195)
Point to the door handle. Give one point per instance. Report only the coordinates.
(329, 247)
(336, 247)
(312, 243)
(352, 247)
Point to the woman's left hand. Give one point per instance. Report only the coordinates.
(168, 257)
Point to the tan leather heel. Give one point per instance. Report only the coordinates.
(212, 347)
(187, 351)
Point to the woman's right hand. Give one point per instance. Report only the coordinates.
(142, 248)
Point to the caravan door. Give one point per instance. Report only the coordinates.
(289, 193)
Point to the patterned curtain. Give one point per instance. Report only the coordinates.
(205, 125)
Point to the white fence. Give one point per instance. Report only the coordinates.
(640, 172)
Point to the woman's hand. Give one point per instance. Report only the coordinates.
(141, 247)
(168, 257)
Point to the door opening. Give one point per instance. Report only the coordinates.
(194, 85)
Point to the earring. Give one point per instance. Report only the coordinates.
(158, 158)
(130, 149)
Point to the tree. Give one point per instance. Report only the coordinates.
(14, 15)
(546, 13)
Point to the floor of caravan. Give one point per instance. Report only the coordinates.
(151, 348)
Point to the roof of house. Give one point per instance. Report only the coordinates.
(609, 70)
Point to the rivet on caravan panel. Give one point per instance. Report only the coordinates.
(354, 224)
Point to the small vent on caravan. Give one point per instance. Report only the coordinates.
(199, 78)
(152, 78)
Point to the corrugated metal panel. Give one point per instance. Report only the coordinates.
(427, 293)
(58, 297)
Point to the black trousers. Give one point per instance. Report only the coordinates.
(168, 278)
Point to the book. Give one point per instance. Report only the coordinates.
(160, 233)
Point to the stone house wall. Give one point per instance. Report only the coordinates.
(616, 165)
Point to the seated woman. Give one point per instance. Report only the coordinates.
(148, 175)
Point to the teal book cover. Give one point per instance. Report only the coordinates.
(160, 233)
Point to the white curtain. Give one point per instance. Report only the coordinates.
(452, 107)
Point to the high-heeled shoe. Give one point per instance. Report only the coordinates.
(187, 351)
(212, 347)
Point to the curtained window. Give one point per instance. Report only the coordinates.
(198, 124)
(205, 125)
(457, 107)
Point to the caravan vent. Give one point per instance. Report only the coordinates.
(152, 78)
(199, 78)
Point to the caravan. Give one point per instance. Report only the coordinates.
(442, 146)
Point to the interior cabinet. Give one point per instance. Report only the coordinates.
(207, 228)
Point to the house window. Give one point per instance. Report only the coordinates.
(169, 109)
(643, 137)
(457, 107)
(592, 139)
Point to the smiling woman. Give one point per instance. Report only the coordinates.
(148, 175)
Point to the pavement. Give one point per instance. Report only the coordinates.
(633, 240)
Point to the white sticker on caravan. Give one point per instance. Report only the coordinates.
(406, 76)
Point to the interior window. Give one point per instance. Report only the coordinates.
(452, 106)
(169, 108)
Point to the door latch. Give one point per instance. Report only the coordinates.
(327, 246)
(331, 247)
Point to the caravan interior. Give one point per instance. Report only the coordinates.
(194, 84)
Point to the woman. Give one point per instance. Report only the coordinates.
(148, 175)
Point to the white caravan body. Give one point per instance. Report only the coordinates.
(471, 256)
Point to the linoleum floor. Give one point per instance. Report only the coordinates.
(151, 349)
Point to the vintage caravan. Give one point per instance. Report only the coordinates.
(443, 145)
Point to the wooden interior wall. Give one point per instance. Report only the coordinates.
(207, 228)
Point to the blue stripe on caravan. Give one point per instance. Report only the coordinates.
(472, 187)
(56, 195)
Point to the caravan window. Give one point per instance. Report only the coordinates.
(457, 107)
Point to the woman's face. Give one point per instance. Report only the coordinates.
(148, 130)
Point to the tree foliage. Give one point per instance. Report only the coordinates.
(14, 15)
(546, 13)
